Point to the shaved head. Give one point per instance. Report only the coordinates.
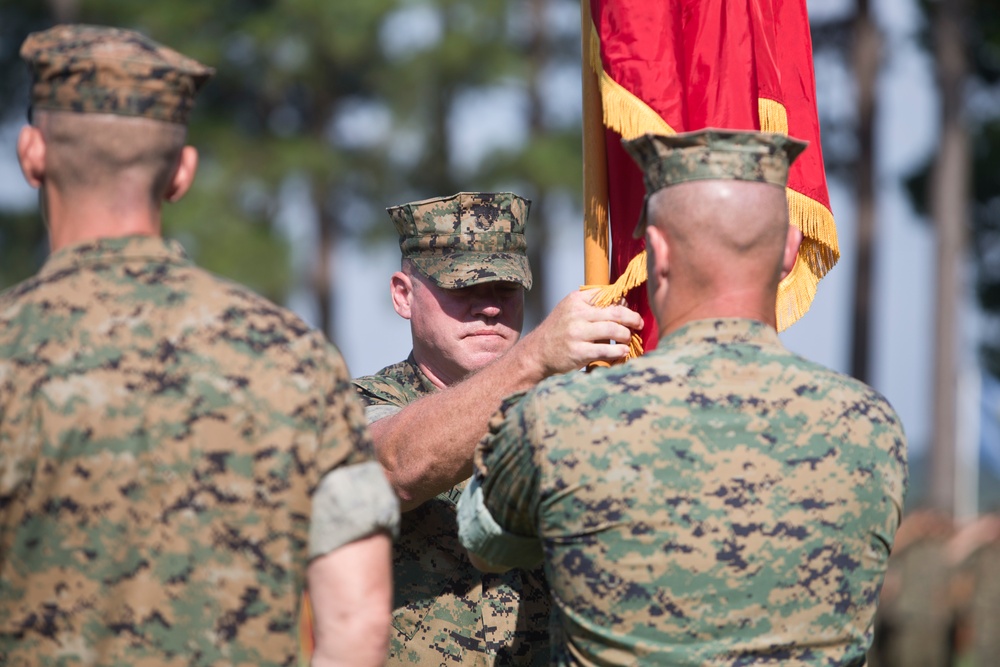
(723, 232)
(717, 248)
(121, 156)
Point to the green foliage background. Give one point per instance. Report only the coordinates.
(286, 73)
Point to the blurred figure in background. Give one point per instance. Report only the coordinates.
(974, 556)
(913, 627)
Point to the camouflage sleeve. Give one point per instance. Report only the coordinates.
(501, 503)
(479, 532)
(344, 439)
(351, 502)
(374, 390)
(375, 412)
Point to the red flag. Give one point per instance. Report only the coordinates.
(684, 65)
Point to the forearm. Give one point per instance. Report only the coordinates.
(351, 593)
(427, 447)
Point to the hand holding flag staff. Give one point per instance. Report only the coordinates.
(675, 66)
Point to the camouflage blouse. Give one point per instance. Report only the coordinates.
(161, 432)
(446, 612)
(718, 501)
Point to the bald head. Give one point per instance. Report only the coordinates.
(123, 156)
(723, 231)
(717, 248)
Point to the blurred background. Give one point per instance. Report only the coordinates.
(324, 112)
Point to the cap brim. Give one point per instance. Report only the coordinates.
(458, 270)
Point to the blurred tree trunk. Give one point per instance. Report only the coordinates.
(437, 173)
(949, 203)
(316, 116)
(866, 56)
(323, 274)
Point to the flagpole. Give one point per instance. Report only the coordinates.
(596, 243)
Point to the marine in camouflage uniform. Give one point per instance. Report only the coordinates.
(915, 619)
(445, 611)
(720, 500)
(973, 553)
(162, 430)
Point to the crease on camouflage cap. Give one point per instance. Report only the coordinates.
(711, 154)
(466, 239)
(99, 69)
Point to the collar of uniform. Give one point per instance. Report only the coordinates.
(723, 331)
(116, 249)
(426, 386)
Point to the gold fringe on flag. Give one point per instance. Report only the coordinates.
(624, 113)
(773, 117)
(630, 117)
(817, 255)
(633, 276)
(819, 250)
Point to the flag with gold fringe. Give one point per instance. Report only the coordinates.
(682, 65)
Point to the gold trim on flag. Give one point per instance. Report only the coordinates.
(630, 117)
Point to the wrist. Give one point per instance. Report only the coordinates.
(526, 364)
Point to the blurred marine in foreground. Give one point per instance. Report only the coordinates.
(718, 500)
(168, 439)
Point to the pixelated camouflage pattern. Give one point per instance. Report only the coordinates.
(718, 501)
(161, 432)
(96, 69)
(713, 154)
(446, 612)
(467, 238)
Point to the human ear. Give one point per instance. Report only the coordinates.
(183, 176)
(657, 262)
(31, 151)
(792, 242)
(401, 290)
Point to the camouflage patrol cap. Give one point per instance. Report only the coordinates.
(466, 239)
(712, 154)
(96, 69)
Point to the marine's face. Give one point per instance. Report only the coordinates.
(458, 331)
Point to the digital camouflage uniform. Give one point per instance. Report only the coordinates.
(161, 430)
(718, 501)
(446, 612)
